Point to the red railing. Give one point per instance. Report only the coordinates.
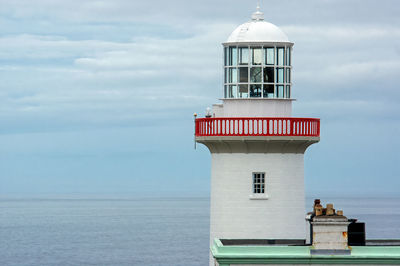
(257, 126)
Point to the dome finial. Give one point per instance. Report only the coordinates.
(258, 15)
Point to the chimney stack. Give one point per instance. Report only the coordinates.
(329, 230)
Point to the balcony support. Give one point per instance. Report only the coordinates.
(257, 144)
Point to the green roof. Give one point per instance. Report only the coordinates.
(377, 255)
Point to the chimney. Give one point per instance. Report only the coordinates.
(329, 231)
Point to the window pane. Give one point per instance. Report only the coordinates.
(232, 91)
(226, 56)
(268, 91)
(256, 56)
(280, 55)
(243, 56)
(269, 56)
(279, 91)
(287, 95)
(255, 90)
(269, 75)
(226, 75)
(287, 75)
(255, 74)
(243, 74)
(243, 91)
(232, 75)
(288, 53)
(232, 56)
(279, 75)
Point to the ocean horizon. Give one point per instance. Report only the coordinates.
(91, 230)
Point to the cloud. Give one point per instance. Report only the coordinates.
(342, 34)
(103, 82)
(114, 77)
(104, 79)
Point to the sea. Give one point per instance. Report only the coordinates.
(139, 231)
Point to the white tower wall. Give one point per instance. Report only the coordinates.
(235, 214)
(254, 108)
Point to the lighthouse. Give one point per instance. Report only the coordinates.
(257, 148)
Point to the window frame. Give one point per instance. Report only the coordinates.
(261, 181)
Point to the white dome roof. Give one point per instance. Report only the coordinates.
(257, 30)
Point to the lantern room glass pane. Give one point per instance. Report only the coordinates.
(279, 91)
(226, 91)
(255, 74)
(269, 56)
(256, 56)
(288, 58)
(243, 91)
(287, 93)
(226, 75)
(243, 56)
(280, 55)
(232, 75)
(279, 75)
(269, 75)
(232, 56)
(287, 75)
(232, 91)
(268, 91)
(243, 74)
(255, 90)
(225, 57)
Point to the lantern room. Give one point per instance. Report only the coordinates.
(257, 61)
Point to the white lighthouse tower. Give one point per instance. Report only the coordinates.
(257, 148)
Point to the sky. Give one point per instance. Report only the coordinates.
(97, 97)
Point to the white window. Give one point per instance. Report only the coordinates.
(258, 183)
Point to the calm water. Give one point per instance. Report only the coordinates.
(136, 232)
